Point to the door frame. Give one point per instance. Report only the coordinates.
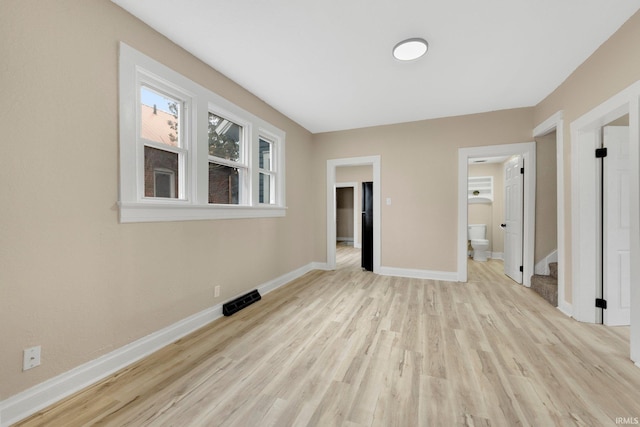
(585, 135)
(331, 206)
(528, 152)
(556, 123)
(353, 185)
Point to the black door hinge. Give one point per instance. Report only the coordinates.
(521, 269)
(601, 152)
(522, 171)
(601, 303)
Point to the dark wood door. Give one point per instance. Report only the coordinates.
(367, 226)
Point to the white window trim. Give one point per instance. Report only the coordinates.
(194, 206)
(277, 169)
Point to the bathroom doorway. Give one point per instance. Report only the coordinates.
(465, 155)
(492, 223)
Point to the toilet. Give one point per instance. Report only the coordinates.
(477, 234)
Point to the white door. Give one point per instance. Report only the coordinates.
(513, 207)
(617, 231)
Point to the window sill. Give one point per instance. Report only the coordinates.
(153, 212)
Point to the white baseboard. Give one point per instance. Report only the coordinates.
(419, 274)
(565, 308)
(497, 255)
(357, 245)
(28, 402)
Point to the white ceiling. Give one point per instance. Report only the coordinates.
(328, 65)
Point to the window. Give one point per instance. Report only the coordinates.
(227, 163)
(266, 174)
(187, 153)
(160, 137)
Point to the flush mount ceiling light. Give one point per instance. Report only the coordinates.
(410, 49)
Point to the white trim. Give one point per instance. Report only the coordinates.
(193, 202)
(356, 210)
(556, 122)
(548, 125)
(331, 206)
(28, 402)
(497, 255)
(585, 134)
(528, 151)
(448, 276)
(157, 211)
(542, 267)
(565, 308)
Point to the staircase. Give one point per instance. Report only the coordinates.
(547, 286)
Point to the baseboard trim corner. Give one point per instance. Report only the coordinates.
(30, 401)
(565, 308)
(446, 276)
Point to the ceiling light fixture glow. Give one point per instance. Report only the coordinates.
(410, 49)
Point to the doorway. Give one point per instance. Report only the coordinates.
(332, 170)
(527, 151)
(346, 213)
(585, 138)
(552, 130)
(347, 221)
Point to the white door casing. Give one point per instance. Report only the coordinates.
(617, 227)
(513, 205)
(585, 132)
(528, 151)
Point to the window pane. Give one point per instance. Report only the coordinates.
(265, 195)
(224, 184)
(160, 118)
(224, 138)
(265, 155)
(164, 183)
(160, 173)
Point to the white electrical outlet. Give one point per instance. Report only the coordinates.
(31, 358)
(216, 291)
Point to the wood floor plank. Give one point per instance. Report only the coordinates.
(351, 348)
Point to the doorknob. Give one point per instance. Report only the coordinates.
(503, 225)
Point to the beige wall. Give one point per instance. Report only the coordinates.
(419, 174)
(546, 197)
(80, 284)
(490, 214)
(73, 279)
(357, 174)
(612, 68)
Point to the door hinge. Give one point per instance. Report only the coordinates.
(521, 269)
(601, 303)
(522, 171)
(601, 152)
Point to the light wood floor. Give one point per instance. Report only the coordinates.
(350, 348)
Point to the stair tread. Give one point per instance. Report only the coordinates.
(546, 287)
